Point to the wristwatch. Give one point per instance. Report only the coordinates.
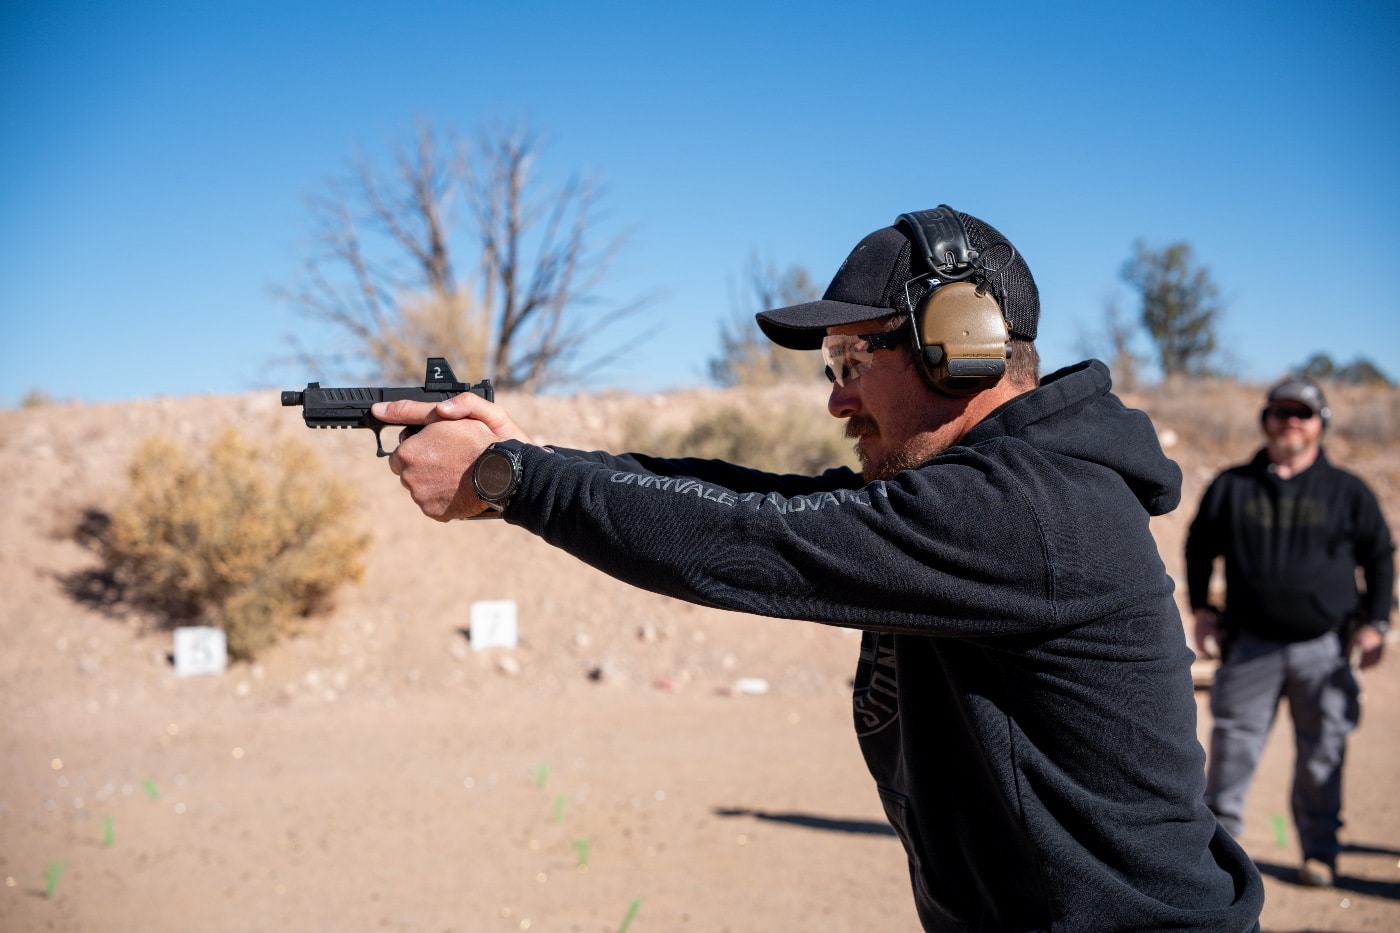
(496, 475)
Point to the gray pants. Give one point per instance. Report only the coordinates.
(1322, 702)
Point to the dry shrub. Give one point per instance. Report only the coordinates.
(247, 540)
(749, 360)
(778, 431)
(36, 398)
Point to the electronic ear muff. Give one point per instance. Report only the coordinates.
(961, 338)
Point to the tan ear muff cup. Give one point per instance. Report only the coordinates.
(961, 341)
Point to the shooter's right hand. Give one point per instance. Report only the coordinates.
(434, 463)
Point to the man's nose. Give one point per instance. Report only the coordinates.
(844, 400)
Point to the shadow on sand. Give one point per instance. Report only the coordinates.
(1288, 873)
(811, 821)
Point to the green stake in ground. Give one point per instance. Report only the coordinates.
(51, 876)
(627, 921)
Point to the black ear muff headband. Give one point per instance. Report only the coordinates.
(961, 337)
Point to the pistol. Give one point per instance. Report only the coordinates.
(349, 408)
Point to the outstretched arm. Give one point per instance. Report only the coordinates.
(434, 464)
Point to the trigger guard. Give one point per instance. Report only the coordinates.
(405, 433)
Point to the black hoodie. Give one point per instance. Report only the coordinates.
(1291, 549)
(1023, 697)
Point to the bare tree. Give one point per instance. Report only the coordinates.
(385, 267)
(537, 266)
(746, 356)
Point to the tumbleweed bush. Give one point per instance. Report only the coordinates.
(248, 540)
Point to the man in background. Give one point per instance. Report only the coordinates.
(1293, 529)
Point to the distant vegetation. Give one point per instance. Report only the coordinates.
(1360, 371)
(243, 539)
(36, 398)
(746, 357)
(256, 540)
(1220, 417)
(781, 432)
(1178, 306)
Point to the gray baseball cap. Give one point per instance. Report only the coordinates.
(1294, 388)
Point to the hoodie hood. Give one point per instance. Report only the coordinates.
(1075, 413)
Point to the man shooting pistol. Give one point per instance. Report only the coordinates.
(350, 407)
(1023, 694)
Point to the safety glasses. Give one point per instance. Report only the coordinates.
(850, 356)
(1286, 412)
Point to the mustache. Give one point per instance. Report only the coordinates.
(858, 426)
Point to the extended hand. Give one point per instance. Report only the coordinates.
(435, 463)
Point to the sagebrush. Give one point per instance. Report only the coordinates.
(247, 539)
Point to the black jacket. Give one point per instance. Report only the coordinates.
(1291, 549)
(1023, 697)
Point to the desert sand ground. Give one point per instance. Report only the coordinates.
(376, 773)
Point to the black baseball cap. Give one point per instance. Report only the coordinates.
(871, 284)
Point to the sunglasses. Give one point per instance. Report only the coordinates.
(1285, 412)
(850, 356)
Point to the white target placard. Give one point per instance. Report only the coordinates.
(200, 649)
(493, 624)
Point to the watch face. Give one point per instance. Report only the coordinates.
(494, 474)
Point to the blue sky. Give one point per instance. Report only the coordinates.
(155, 160)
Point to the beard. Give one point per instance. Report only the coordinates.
(907, 457)
(1289, 444)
